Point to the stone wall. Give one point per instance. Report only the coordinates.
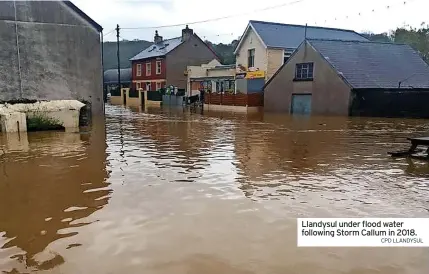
(48, 52)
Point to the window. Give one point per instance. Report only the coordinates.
(286, 57)
(304, 71)
(220, 86)
(138, 85)
(251, 58)
(158, 67)
(139, 70)
(148, 69)
(148, 86)
(158, 85)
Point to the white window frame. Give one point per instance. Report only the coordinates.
(286, 56)
(148, 86)
(304, 71)
(158, 67)
(139, 70)
(138, 85)
(249, 55)
(158, 85)
(148, 69)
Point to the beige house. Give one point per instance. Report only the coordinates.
(211, 77)
(265, 46)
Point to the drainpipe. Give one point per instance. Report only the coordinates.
(102, 70)
(17, 51)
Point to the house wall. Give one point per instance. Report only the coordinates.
(49, 53)
(274, 61)
(205, 71)
(330, 94)
(153, 75)
(251, 41)
(193, 52)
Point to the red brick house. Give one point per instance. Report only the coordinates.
(165, 61)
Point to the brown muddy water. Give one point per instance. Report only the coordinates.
(173, 192)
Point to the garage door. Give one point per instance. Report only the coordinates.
(301, 104)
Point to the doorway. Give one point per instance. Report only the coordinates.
(301, 104)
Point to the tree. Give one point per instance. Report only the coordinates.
(418, 39)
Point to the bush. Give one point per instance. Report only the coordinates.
(40, 122)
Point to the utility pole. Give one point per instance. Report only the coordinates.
(119, 61)
(305, 32)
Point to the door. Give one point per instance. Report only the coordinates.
(301, 104)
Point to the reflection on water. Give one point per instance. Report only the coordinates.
(49, 183)
(176, 192)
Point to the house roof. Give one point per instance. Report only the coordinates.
(83, 15)
(366, 65)
(111, 76)
(160, 49)
(287, 36)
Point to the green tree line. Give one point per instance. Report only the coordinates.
(417, 38)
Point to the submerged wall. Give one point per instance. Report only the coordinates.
(48, 52)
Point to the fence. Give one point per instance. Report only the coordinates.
(154, 95)
(172, 100)
(115, 92)
(249, 100)
(133, 93)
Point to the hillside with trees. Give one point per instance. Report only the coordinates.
(418, 38)
(127, 50)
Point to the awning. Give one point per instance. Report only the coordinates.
(200, 79)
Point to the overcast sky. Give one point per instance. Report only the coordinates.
(146, 14)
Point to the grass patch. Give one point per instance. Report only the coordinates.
(39, 122)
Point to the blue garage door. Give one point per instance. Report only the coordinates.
(301, 104)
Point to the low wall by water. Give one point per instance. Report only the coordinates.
(234, 102)
(134, 98)
(64, 113)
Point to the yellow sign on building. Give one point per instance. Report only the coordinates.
(255, 74)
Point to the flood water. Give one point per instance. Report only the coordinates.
(167, 191)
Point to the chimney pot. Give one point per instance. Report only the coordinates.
(187, 33)
(157, 39)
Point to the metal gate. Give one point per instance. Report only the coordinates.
(301, 104)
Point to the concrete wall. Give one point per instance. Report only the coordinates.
(132, 101)
(251, 41)
(275, 59)
(330, 94)
(193, 52)
(49, 53)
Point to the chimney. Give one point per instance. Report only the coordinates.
(187, 33)
(157, 39)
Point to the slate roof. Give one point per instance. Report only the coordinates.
(160, 49)
(374, 64)
(278, 35)
(111, 76)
